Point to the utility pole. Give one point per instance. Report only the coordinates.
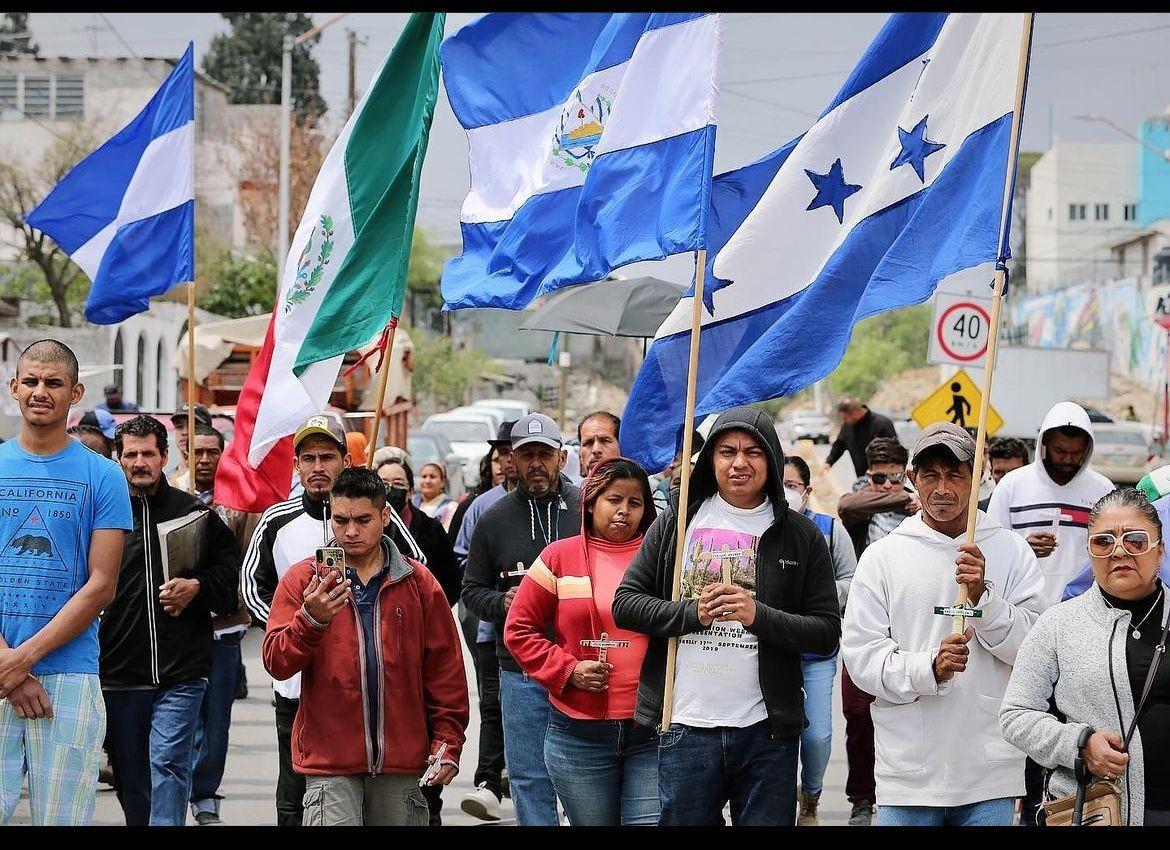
(351, 38)
(284, 195)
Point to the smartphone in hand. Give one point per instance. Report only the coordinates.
(330, 560)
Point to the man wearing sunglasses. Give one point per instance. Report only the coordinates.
(942, 760)
(880, 499)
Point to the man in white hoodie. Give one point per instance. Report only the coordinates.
(1028, 499)
(941, 757)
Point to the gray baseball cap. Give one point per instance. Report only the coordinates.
(536, 428)
(957, 440)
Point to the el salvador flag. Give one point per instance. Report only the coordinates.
(591, 140)
(126, 213)
(898, 185)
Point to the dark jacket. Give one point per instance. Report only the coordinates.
(431, 537)
(854, 439)
(796, 594)
(142, 645)
(509, 533)
(856, 509)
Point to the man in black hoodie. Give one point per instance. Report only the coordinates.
(757, 591)
(511, 535)
(156, 635)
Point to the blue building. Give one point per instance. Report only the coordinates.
(1154, 170)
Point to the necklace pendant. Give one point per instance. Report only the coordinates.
(1137, 635)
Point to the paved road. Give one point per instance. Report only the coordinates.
(252, 762)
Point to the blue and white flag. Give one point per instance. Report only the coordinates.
(126, 213)
(591, 140)
(898, 185)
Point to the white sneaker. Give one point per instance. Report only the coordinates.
(481, 803)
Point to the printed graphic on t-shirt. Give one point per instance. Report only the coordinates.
(39, 528)
(719, 555)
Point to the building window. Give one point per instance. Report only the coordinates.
(140, 373)
(1129, 211)
(70, 102)
(36, 97)
(1100, 212)
(1050, 213)
(9, 102)
(1076, 212)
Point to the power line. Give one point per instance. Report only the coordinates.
(786, 78)
(771, 103)
(1102, 37)
(126, 44)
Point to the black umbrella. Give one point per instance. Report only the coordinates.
(632, 307)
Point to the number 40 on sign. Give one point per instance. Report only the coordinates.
(960, 331)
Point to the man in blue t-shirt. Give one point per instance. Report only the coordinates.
(64, 514)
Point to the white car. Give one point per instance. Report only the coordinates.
(493, 416)
(804, 425)
(1121, 451)
(510, 409)
(468, 436)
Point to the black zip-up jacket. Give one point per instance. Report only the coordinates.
(431, 537)
(509, 533)
(142, 646)
(796, 592)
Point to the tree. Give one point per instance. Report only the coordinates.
(21, 189)
(14, 34)
(881, 346)
(422, 277)
(241, 286)
(442, 372)
(248, 60)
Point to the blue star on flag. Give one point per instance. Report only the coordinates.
(915, 148)
(832, 190)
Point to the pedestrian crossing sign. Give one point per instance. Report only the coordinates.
(956, 400)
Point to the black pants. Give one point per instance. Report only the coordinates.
(1033, 793)
(290, 785)
(491, 725)
(434, 798)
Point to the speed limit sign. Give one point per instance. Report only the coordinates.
(960, 330)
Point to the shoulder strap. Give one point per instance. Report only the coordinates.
(1159, 651)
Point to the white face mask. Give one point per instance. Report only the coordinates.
(794, 499)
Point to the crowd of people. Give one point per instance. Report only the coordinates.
(607, 694)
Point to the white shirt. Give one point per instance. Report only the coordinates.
(717, 680)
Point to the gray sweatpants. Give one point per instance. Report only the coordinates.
(385, 800)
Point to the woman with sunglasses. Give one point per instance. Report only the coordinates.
(603, 765)
(1092, 655)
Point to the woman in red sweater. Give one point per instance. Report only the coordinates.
(603, 765)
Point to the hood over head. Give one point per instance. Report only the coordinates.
(760, 425)
(1062, 414)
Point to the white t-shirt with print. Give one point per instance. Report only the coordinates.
(717, 678)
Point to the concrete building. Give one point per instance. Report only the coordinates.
(1083, 199)
(42, 98)
(1145, 255)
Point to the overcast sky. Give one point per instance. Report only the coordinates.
(778, 72)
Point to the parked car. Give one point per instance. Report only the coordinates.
(510, 409)
(432, 446)
(468, 435)
(804, 425)
(1121, 452)
(492, 415)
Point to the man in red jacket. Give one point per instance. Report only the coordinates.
(383, 687)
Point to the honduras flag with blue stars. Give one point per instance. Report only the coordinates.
(898, 185)
(591, 139)
(126, 213)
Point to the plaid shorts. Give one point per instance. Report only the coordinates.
(60, 754)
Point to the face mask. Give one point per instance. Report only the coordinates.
(794, 499)
(396, 498)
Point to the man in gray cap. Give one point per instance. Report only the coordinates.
(507, 539)
(941, 757)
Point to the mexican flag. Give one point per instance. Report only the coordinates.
(345, 275)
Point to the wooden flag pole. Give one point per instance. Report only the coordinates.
(680, 532)
(191, 387)
(382, 383)
(996, 302)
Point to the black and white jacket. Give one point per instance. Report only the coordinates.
(141, 645)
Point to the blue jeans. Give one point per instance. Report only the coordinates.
(605, 772)
(211, 734)
(524, 706)
(999, 812)
(150, 737)
(701, 769)
(816, 741)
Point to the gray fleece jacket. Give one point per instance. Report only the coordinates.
(1076, 651)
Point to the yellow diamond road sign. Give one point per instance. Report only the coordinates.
(956, 400)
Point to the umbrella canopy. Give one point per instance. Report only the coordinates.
(631, 307)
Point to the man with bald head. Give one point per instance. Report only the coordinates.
(64, 514)
(859, 425)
